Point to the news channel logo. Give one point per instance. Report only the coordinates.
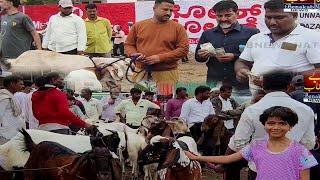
(301, 5)
(311, 88)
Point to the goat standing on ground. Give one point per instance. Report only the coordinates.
(55, 161)
(12, 155)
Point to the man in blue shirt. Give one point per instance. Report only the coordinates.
(230, 35)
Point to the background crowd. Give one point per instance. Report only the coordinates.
(268, 66)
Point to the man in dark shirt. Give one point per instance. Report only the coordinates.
(231, 36)
(17, 31)
(297, 85)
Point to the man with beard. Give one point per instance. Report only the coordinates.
(230, 36)
(99, 33)
(135, 109)
(66, 32)
(50, 107)
(288, 47)
(158, 44)
(194, 110)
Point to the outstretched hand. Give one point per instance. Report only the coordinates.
(190, 155)
(91, 130)
(90, 127)
(242, 74)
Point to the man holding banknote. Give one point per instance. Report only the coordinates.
(227, 40)
(286, 47)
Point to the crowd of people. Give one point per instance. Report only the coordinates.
(65, 32)
(274, 130)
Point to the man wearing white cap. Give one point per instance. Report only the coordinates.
(66, 32)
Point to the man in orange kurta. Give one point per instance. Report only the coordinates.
(159, 43)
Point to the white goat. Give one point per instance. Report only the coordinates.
(135, 142)
(192, 145)
(12, 153)
(80, 79)
(131, 139)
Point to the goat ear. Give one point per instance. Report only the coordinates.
(171, 158)
(145, 133)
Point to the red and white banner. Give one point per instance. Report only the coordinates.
(117, 13)
(197, 16)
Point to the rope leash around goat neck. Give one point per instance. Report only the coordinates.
(98, 69)
(61, 170)
(37, 169)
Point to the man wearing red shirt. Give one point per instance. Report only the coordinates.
(174, 106)
(50, 107)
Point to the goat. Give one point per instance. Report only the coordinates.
(131, 143)
(54, 161)
(173, 163)
(13, 155)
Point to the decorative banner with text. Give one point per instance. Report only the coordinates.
(117, 13)
(197, 16)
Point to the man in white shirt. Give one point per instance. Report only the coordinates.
(135, 109)
(194, 110)
(33, 123)
(250, 128)
(288, 46)
(119, 39)
(22, 98)
(92, 106)
(66, 32)
(10, 111)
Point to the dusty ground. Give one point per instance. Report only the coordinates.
(191, 71)
(207, 174)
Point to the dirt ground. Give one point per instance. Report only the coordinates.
(191, 71)
(207, 174)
